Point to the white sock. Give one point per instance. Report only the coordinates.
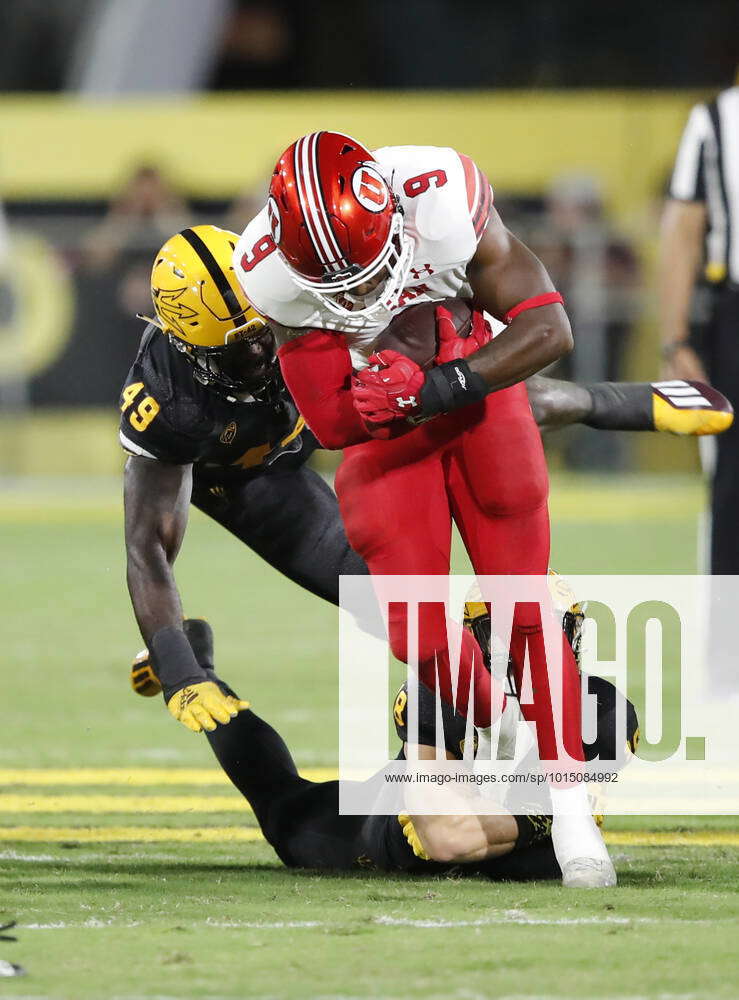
(574, 831)
(484, 742)
(505, 739)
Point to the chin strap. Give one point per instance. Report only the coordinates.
(547, 299)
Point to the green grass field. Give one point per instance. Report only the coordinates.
(134, 870)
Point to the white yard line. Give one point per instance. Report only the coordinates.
(519, 917)
(463, 994)
(385, 920)
(16, 856)
(95, 923)
(263, 925)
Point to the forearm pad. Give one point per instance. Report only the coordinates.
(450, 386)
(174, 661)
(621, 406)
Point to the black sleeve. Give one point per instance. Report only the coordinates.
(146, 430)
(160, 417)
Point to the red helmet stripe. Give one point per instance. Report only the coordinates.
(309, 181)
(323, 215)
(300, 180)
(322, 237)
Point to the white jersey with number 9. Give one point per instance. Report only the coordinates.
(446, 201)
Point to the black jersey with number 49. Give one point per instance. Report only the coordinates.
(168, 415)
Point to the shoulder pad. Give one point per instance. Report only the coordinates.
(438, 198)
(164, 412)
(261, 271)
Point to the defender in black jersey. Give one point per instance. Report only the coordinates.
(243, 460)
(301, 818)
(207, 420)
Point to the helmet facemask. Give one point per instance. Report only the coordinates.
(245, 364)
(396, 258)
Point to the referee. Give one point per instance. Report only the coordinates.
(700, 232)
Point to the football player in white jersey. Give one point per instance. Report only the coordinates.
(346, 240)
(404, 248)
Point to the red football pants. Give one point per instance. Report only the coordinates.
(484, 467)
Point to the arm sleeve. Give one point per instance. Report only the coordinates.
(154, 437)
(317, 370)
(157, 442)
(688, 176)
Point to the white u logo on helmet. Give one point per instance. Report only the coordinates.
(370, 189)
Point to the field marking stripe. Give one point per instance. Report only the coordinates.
(224, 834)
(587, 510)
(508, 917)
(176, 805)
(669, 838)
(115, 834)
(149, 777)
(134, 777)
(105, 804)
(95, 923)
(593, 503)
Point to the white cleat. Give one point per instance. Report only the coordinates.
(589, 873)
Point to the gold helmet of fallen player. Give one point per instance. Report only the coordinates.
(200, 305)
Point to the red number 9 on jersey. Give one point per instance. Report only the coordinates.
(418, 185)
(261, 249)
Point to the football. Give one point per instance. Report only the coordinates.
(413, 331)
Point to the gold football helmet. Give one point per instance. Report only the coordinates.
(200, 305)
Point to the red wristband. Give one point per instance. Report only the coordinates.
(547, 299)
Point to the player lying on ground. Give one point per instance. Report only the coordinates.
(301, 819)
(208, 421)
(347, 238)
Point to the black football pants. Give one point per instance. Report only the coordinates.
(291, 519)
(301, 820)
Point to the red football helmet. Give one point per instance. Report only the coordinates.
(337, 224)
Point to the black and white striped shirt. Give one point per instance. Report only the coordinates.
(707, 170)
